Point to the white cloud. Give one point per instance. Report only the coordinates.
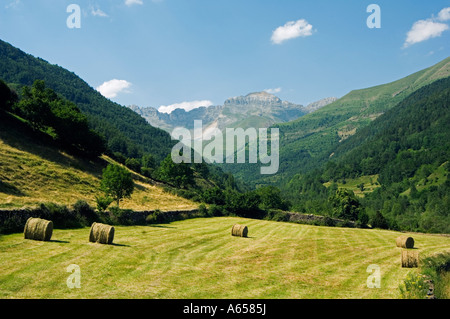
(423, 30)
(187, 106)
(426, 29)
(273, 91)
(131, 2)
(98, 12)
(110, 89)
(291, 30)
(444, 14)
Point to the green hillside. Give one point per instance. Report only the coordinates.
(198, 258)
(125, 131)
(59, 103)
(408, 148)
(33, 171)
(308, 142)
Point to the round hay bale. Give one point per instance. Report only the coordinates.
(38, 229)
(405, 242)
(410, 259)
(101, 233)
(239, 230)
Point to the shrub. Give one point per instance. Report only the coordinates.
(213, 196)
(156, 217)
(103, 202)
(215, 210)
(379, 221)
(125, 217)
(345, 223)
(13, 224)
(328, 221)
(415, 286)
(203, 211)
(278, 216)
(60, 215)
(363, 219)
(133, 164)
(437, 268)
(85, 213)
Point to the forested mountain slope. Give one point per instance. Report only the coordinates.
(308, 142)
(125, 131)
(407, 151)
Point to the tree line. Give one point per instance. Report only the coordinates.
(46, 112)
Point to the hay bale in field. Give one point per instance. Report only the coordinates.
(38, 229)
(239, 230)
(405, 242)
(101, 233)
(410, 259)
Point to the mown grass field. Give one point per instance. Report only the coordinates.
(198, 258)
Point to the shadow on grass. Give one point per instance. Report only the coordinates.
(161, 226)
(19, 135)
(59, 241)
(120, 245)
(10, 189)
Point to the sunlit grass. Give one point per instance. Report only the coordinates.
(199, 258)
(40, 174)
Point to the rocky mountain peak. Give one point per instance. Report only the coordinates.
(263, 98)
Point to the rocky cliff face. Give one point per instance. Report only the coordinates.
(321, 103)
(259, 98)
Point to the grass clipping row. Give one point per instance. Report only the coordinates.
(239, 230)
(101, 233)
(38, 229)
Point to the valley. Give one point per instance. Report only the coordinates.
(363, 169)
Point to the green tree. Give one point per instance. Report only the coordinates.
(7, 97)
(242, 204)
(35, 105)
(148, 161)
(345, 204)
(103, 202)
(379, 221)
(180, 175)
(134, 164)
(271, 198)
(117, 182)
(43, 108)
(213, 195)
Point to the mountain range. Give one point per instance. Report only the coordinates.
(258, 110)
(391, 139)
(311, 140)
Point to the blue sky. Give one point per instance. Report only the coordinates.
(175, 52)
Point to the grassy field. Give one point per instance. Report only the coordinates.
(370, 183)
(436, 178)
(199, 258)
(33, 173)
